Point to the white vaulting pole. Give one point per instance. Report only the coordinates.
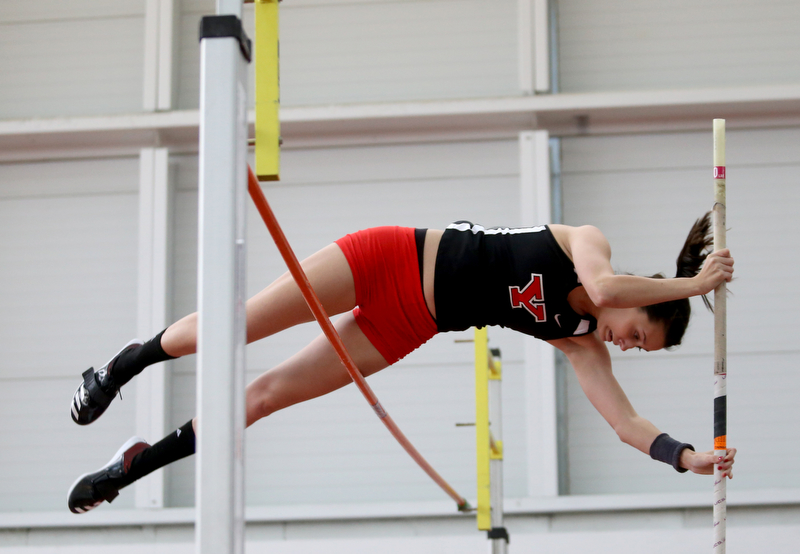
(224, 51)
(720, 343)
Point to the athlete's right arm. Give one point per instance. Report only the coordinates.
(591, 255)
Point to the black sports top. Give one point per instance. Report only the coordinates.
(515, 278)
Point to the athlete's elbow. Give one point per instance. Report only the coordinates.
(624, 437)
(636, 432)
(624, 433)
(602, 294)
(602, 300)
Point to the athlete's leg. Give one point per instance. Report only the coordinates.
(314, 371)
(277, 307)
(280, 305)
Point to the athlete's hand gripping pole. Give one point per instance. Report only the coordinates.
(333, 336)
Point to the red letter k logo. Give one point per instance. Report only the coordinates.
(527, 298)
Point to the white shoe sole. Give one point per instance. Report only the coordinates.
(130, 442)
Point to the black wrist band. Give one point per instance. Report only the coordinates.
(668, 450)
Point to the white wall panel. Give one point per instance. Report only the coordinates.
(345, 52)
(78, 58)
(52, 10)
(67, 301)
(623, 45)
(334, 449)
(68, 250)
(644, 192)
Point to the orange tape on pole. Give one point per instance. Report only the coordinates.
(333, 336)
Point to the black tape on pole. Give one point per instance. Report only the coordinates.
(720, 416)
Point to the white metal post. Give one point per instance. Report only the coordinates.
(499, 545)
(154, 278)
(540, 365)
(533, 46)
(221, 321)
(159, 78)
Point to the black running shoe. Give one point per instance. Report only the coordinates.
(97, 390)
(91, 489)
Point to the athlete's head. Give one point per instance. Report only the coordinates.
(631, 328)
(674, 315)
(660, 325)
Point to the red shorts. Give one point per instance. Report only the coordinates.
(390, 306)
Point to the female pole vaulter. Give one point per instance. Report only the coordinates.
(397, 287)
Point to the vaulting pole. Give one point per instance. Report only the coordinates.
(720, 343)
(330, 332)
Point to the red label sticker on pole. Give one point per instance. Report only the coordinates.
(719, 172)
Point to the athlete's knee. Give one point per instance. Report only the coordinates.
(260, 400)
(258, 408)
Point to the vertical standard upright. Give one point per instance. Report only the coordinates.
(268, 91)
(224, 53)
(489, 438)
(720, 343)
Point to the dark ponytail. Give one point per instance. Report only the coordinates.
(674, 315)
(695, 250)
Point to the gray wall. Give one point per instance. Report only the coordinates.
(623, 45)
(325, 476)
(81, 58)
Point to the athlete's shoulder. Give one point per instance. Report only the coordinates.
(584, 231)
(568, 237)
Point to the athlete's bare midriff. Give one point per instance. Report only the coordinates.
(432, 239)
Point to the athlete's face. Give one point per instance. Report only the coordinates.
(630, 328)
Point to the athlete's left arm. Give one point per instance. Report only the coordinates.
(591, 255)
(592, 364)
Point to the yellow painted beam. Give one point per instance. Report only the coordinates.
(495, 368)
(482, 428)
(496, 450)
(267, 77)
